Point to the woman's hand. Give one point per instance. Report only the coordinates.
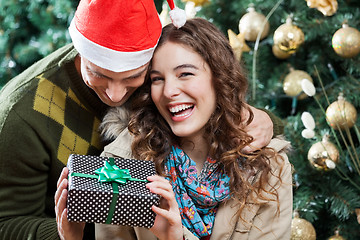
(168, 220)
(66, 230)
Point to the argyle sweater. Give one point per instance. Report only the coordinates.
(46, 113)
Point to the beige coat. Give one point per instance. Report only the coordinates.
(262, 221)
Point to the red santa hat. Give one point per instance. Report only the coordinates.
(119, 35)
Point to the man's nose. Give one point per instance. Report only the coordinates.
(116, 91)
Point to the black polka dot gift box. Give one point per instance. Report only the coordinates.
(110, 190)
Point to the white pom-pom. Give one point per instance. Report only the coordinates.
(178, 17)
(330, 164)
(308, 87)
(307, 133)
(308, 120)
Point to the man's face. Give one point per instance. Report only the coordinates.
(113, 88)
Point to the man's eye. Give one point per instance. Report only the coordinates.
(93, 74)
(96, 75)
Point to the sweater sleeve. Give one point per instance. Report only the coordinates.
(28, 176)
(29, 144)
(278, 125)
(27, 205)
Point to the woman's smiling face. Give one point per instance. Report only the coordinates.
(182, 89)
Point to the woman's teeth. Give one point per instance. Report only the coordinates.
(179, 108)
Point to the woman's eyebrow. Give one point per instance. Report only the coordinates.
(185, 66)
(154, 71)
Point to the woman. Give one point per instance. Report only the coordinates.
(186, 119)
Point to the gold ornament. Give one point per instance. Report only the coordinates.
(280, 54)
(341, 114)
(302, 229)
(346, 41)
(357, 211)
(326, 7)
(237, 43)
(197, 2)
(292, 83)
(323, 155)
(288, 37)
(252, 23)
(336, 236)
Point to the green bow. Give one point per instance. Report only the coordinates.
(112, 173)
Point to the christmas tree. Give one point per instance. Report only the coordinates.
(30, 30)
(301, 41)
(326, 186)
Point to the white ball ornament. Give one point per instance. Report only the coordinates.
(308, 120)
(308, 133)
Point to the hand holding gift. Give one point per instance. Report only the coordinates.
(67, 230)
(168, 223)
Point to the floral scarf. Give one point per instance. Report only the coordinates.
(198, 196)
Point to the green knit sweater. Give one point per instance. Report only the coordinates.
(46, 113)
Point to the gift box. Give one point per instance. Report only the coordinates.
(110, 190)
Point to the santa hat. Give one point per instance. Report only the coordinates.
(119, 35)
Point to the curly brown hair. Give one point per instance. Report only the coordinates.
(224, 130)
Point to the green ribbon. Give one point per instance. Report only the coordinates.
(110, 173)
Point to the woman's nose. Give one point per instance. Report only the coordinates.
(171, 88)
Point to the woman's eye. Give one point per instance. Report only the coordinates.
(185, 74)
(154, 79)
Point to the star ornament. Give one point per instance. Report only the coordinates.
(238, 44)
(326, 7)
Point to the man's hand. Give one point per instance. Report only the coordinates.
(260, 128)
(67, 230)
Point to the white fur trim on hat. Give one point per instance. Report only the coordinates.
(109, 59)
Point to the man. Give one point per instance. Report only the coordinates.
(53, 109)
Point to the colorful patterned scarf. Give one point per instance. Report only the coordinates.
(198, 196)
